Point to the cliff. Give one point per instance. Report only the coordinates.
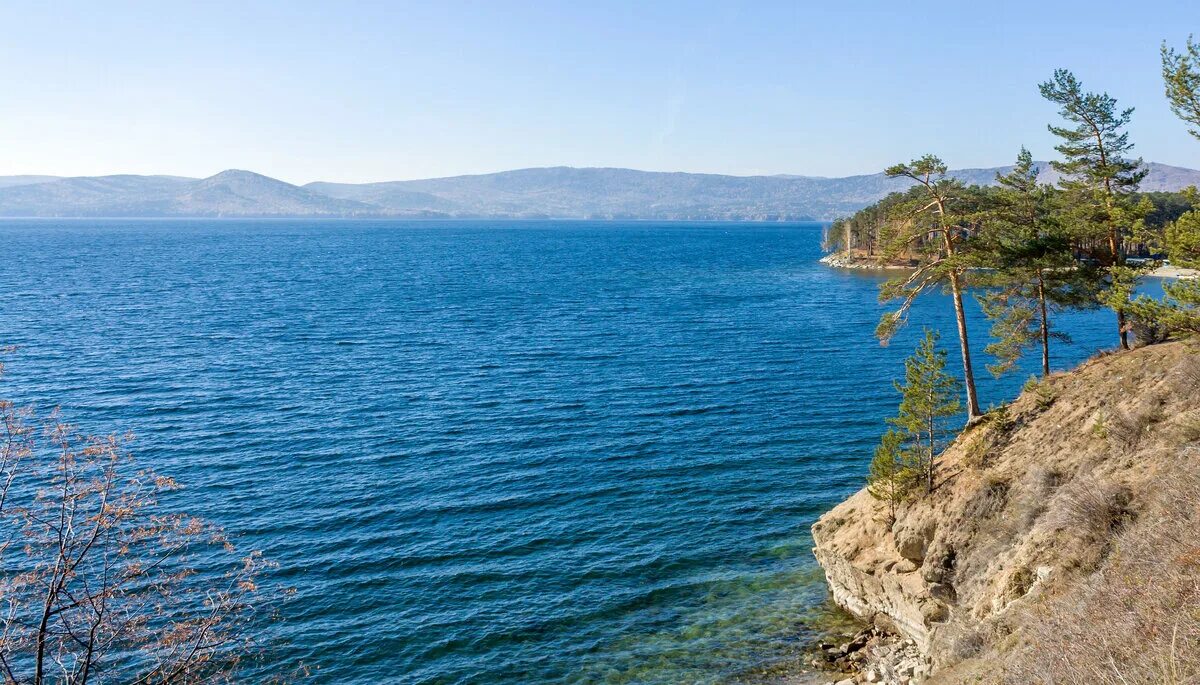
(1062, 543)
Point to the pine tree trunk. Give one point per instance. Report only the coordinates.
(1115, 248)
(960, 315)
(1044, 324)
(932, 446)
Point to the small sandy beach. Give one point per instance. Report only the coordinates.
(1175, 272)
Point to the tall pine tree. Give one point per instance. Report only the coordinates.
(1029, 266)
(936, 224)
(1098, 178)
(1181, 75)
(1183, 240)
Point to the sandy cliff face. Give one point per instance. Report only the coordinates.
(1035, 511)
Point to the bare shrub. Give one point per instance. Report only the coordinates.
(965, 643)
(1124, 430)
(101, 583)
(1102, 354)
(1091, 507)
(1045, 480)
(990, 500)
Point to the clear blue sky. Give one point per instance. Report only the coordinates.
(378, 91)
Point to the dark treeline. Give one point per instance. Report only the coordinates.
(1028, 250)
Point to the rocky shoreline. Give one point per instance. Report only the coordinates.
(875, 654)
(841, 260)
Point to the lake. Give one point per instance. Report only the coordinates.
(488, 452)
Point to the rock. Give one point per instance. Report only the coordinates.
(934, 612)
(944, 592)
(884, 625)
(905, 566)
(912, 544)
(933, 574)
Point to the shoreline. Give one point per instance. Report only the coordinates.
(841, 260)
(1180, 272)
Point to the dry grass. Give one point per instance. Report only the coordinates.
(1137, 619)
(990, 500)
(1188, 374)
(1092, 508)
(1124, 429)
(965, 643)
(1188, 426)
(1034, 494)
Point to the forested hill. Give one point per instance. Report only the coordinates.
(555, 192)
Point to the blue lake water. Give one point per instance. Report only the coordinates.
(487, 452)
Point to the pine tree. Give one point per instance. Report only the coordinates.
(1181, 75)
(1177, 312)
(890, 477)
(929, 398)
(1030, 267)
(1183, 240)
(1097, 176)
(936, 224)
(1179, 309)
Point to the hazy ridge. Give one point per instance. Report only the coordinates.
(552, 192)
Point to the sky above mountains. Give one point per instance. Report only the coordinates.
(361, 92)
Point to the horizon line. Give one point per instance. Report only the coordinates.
(57, 177)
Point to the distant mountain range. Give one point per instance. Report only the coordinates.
(555, 192)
